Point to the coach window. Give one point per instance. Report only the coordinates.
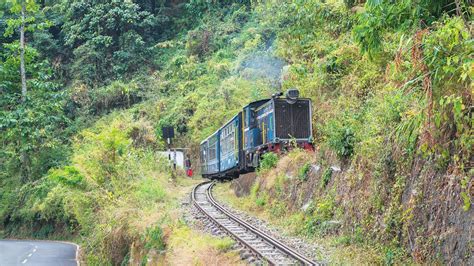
(224, 141)
(245, 118)
(212, 151)
(253, 118)
(227, 140)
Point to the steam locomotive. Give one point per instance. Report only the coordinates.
(270, 125)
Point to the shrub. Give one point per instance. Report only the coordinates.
(464, 193)
(342, 140)
(254, 189)
(68, 176)
(278, 208)
(268, 161)
(350, 3)
(319, 214)
(382, 16)
(224, 244)
(149, 190)
(260, 201)
(304, 171)
(153, 238)
(116, 95)
(199, 42)
(326, 177)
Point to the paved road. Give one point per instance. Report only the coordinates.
(38, 253)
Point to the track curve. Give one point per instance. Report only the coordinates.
(260, 244)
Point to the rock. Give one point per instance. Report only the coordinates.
(315, 168)
(245, 255)
(306, 205)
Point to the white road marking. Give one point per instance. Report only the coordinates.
(24, 261)
(34, 250)
(29, 255)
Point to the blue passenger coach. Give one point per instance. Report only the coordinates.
(210, 154)
(230, 145)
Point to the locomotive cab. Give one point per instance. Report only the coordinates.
(272, 124)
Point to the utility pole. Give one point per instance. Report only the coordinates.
(169, 153)
(168, 133)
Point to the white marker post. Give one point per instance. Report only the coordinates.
(169, 148)
(174, 159)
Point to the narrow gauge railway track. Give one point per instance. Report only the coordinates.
(260, 244)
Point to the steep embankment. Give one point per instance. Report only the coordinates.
(360, 216)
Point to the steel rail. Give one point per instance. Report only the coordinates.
(239, 239)
(269, 239)
(294, 254)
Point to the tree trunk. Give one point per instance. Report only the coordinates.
(24, 158)
(22, 53)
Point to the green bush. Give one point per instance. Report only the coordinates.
(68, 176)
(318, 214)
(278, 208)
(149, 190)
(326, 177)
(153, 238)
(383, 16)
(115, 95)
(255, 189)
(268, 161)
(199, 42)
(342, 140)
(260, 198)
(350, 3)
(225, 244)
(304, 171)
(261, 201)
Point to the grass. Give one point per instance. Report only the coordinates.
(182, 244)
(124, 198)
(188, 247)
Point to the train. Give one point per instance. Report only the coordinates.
(269, 125)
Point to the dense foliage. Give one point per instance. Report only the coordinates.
(391, 82)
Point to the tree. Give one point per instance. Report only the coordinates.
(381, 16)
(22, 18)
(108, 38)
(31, 131)
(22, 51)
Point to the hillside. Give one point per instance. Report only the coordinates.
(390, 83)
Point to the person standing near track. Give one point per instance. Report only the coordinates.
(187, 165)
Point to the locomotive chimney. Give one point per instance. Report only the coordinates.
(292, 96)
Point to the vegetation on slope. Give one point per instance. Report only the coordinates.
(391, 84)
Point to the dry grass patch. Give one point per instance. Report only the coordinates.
(188, 247)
